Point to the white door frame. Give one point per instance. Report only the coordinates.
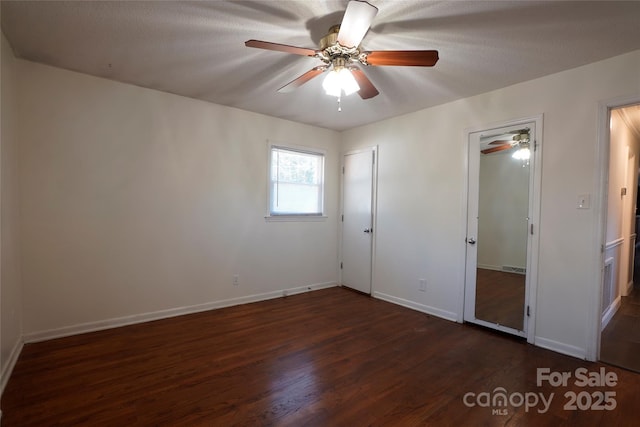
(533, 245)
(374, 206)
(602, 193)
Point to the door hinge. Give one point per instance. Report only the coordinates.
(528, 311)
(343, 170)
(535, 145)
(340, 266)
(342, 218)
(531, 229)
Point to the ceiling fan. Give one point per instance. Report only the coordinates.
(340, 51)
(519, 138)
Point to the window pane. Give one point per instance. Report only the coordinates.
(296, 182)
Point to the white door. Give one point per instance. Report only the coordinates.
(500, 226)
(357, 219)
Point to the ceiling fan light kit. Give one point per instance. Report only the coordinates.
(523, 153)
(340, 80)
(342, 55)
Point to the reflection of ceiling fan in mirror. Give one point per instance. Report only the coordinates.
(518, 138)
(341, 53)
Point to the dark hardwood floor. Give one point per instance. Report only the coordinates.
(325, 358)
(620, 340)
(500, 297)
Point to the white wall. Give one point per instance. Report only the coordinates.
(10, 283)
(503, 207)
(421, 187)
(138, 204)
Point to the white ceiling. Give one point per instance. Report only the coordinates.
(196, 49)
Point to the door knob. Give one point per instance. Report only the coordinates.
(471, 241)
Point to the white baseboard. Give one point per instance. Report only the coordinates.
(448, 315)
(164, 314)
(559, 347)
(504, 268)
(610, 312)
(489, 267)
(7, 369)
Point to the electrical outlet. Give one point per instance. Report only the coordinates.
(422, 285)
(236, 280)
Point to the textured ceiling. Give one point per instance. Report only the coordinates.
(196, 49)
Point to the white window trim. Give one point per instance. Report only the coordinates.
(295, 217)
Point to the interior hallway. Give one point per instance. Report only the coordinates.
(620, 343)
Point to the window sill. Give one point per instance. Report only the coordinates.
(295, 218)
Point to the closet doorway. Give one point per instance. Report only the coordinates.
(502, 219)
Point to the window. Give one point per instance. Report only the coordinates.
(296, 181)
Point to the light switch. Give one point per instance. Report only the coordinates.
(584, 201)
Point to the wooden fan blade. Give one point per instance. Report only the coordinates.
(280, 47)
(367, 89)
(356, 22)
(294, 84)
(496, 149)
(409, 58)
(496, 142)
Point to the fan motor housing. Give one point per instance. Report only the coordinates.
(333, 53)
(331, 38)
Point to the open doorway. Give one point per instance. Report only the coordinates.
(620, 325)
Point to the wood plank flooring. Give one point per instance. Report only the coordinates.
(500, 297)
(325, 358)
(620, 340)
